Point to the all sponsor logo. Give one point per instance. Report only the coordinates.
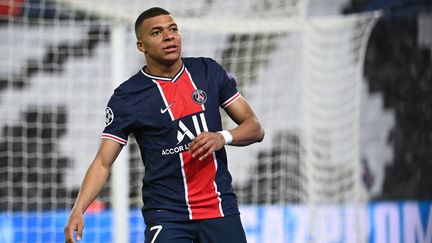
(199, 124)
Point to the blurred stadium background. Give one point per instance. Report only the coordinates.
(343, 88)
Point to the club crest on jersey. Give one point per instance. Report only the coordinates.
(109, 116)
(199, 97)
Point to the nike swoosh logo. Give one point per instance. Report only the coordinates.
(166, 108)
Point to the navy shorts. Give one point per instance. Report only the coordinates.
(218, 230)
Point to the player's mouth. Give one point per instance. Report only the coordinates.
(170, 48)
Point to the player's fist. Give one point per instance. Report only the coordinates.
(205, 144)
(75, 223)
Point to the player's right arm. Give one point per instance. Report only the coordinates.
(94, 180)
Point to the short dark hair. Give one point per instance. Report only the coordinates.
(149, 13)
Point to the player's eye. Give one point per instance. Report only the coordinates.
(174, 29)
(157, 32)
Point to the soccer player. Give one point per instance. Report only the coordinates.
(171, 106)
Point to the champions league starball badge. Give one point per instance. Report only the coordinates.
(109, 116)
(199, 97)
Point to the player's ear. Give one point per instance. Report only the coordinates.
(140, 46)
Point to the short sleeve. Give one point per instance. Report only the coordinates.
(228, 92)
(119, 120)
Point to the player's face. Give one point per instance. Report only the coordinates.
(160, 40)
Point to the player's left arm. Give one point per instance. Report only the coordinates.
(248, 130)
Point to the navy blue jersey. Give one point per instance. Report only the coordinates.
(164, 115)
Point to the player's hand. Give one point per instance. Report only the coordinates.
(205, 144)
(75, 223)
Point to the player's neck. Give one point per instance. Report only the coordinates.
(163, 70)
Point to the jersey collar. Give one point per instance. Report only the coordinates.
(164, 78)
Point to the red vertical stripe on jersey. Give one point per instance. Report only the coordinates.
(203, 198)
(178, 96)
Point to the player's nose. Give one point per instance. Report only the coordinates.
(168, 36)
